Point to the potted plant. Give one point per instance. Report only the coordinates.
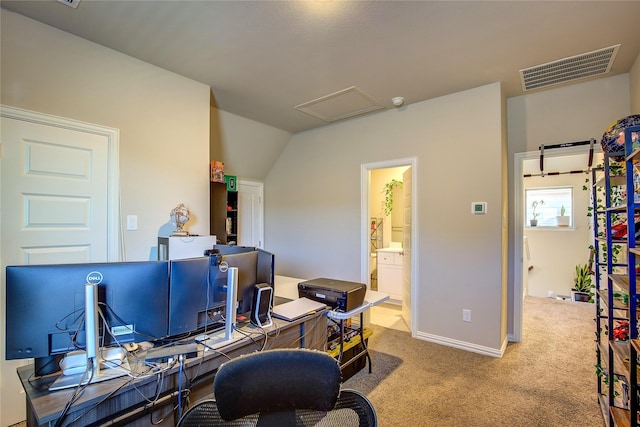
(582, 284)
(534, 215)
(388, 195)
(563, 220)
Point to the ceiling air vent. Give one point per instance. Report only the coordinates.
(569, 69)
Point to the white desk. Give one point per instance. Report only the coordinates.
(286, 287)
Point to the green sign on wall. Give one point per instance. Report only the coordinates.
(231, 181)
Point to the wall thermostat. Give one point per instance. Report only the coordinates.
(478, 208)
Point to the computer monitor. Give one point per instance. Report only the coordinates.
(266, 265)
(45, 305)
(254, 266)
(233, 249)
(196, 302)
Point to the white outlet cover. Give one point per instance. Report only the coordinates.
(132, 222)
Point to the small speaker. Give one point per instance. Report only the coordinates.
(261, 305)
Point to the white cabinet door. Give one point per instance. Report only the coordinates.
(390, 281)
(390, 274)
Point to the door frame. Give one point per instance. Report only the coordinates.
(365, 224)
(114, 245)
(260, 220)
(519, 224)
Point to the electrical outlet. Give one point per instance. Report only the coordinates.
(466, 315)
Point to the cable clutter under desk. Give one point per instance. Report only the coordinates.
(155, 391)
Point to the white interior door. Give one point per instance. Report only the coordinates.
(406, 245)
(250, 214)
(59, 205)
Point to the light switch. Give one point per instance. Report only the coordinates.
(132, 222)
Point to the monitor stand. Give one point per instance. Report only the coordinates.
(216, 340)
(228, 336)
(99, 375)
(93, 352)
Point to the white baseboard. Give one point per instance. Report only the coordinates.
(463, 345)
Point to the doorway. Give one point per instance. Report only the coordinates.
(388, 265)
(528, 256)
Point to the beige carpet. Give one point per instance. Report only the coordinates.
(546, 380)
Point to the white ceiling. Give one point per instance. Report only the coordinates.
(263, 58)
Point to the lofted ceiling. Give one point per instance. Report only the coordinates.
(262, 59)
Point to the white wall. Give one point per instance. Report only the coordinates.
(247, 148)
(164, 133)
(571, 113)
(313, 207)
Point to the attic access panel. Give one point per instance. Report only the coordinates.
(340, 105)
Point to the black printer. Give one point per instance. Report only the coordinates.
(340, 294)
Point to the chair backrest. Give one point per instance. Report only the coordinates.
(280, 388)
(352, 409)
(277, 380)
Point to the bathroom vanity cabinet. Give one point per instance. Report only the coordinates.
(390, 272)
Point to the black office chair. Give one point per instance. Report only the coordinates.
(282, 387)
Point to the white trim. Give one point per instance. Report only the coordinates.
(114, 252)
(518, 235)
(463, 345)
(365, 185)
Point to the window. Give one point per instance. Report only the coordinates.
(548, 211)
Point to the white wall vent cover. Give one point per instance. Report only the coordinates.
(569, 69)
(340, 105)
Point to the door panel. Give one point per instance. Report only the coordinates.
(55, 191)
(250, 214)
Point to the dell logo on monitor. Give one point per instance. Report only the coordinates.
(94, 278)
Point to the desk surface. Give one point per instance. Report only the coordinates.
(130, 401)
(132, 398)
